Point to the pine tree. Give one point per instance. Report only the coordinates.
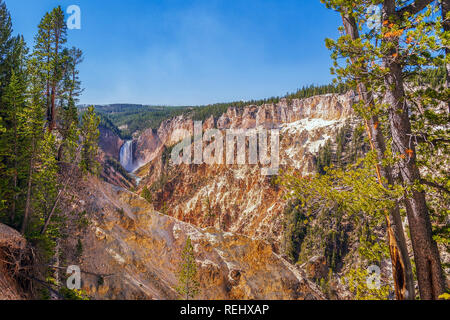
(48, 51)
(69, 132)
(427, 258)
(445, 10)
(324, 157)
(188, 285)
(344, 194)
(69, 93)
(71, 84)
(45, 180)
(11, 143)
(33, 132)
(383, 62)
(89, 137)
(5, 45)
(70, 88)
(146, 194)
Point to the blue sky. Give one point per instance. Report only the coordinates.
(192, 52)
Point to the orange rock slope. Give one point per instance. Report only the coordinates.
(136, 252)
(237, 198)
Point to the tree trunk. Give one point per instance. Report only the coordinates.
(53, 209)
(426, 254)
(60, 152)
(53, 110)
(401, 264)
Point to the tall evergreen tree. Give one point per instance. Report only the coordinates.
(384, 59)
(426, 254)
(5, 44)
(48, 51)
(188, 286)
(71, 84)
(33, 132)
(69, 93)
(445, 10)
(401, 266)
(11, 143)
(89, 139)
(12, 100)
(45, 184)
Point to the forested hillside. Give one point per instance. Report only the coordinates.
(43, 142)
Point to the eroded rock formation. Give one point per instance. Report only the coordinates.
(136, 251)
(238, 198)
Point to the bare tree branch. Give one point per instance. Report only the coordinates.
(435, 185)
(414, 7)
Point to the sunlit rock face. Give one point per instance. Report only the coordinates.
(148, 145)
(237, 198)
(326, 107)
(137, 252)
(151, 142)
(323, 111)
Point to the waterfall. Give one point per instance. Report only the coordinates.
(126, 156)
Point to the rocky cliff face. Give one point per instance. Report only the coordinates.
(330, 107)
(237, 198)
(131, 251)
(112, 172)
(109, 156)
(110, 143)
(319, 111)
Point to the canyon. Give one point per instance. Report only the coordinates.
(127, 228)
(131, 247)
(232, 213)
(237, 198)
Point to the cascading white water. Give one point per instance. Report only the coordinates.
(126, 156)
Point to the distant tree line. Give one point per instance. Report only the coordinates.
(126, 119)
(202, 113)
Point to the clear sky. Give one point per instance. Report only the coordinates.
(191, 52)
